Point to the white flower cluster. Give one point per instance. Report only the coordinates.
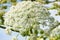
(55, 32)
(27, 16)
(14, 38)
(8, 30)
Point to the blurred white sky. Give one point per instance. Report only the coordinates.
(4, 36)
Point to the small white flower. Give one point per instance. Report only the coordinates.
(8, 30)
(58, 3)
(41, 39)
(51, 0)
(14, 38)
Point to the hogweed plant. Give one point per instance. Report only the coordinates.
(32, 19)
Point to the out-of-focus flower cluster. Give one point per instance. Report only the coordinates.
(29, 18)
(55, 34)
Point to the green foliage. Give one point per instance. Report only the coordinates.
(57, 37)
(3, 1)
(41, 1)
(13, 2)
(0, 21)
(4, 7)
(32, 37)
